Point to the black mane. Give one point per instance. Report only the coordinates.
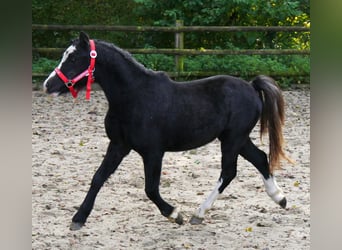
(125, 55)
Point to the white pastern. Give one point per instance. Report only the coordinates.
(174, 215)
(208, 203)
(273, 190)
(66, 54)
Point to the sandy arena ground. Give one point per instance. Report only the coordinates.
(68, 144)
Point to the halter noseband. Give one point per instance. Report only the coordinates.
(88, 72)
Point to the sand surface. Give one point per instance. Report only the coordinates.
(68, 144)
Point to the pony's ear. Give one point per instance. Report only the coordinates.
(84, 40)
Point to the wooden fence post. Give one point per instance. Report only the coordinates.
(179, 44)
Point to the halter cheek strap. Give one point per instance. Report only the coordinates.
(88, 72)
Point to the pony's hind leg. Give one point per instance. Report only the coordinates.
(198, 217)
(152, 168)
(111, 161)
(229, 150)
(259, 159)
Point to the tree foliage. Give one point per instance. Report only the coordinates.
(165, 13)
(226, 13)
(193, 13)
(101, 12)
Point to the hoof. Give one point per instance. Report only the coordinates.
(176, 217)
(283, 202)
(196, 220)
(179, 219)
(76, 226)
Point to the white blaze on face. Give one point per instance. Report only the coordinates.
(66, 54)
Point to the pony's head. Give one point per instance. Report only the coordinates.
(76, 66)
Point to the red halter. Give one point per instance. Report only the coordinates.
(88, 72)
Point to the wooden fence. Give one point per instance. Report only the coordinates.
(179, 52)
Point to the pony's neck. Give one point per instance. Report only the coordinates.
(117, 71)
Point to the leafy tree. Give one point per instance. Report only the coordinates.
(225, 13)
(102, 12)
(192, 12)
(165, 12)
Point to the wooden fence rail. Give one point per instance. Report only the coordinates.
(170, 29)
(194, 52)
(179, 52)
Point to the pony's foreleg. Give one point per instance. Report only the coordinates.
(111, 161)
(259, 159)
(152, 167)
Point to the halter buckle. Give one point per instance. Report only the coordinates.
(93, 54)
(69, 84)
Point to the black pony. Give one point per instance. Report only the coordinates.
(151, 114)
